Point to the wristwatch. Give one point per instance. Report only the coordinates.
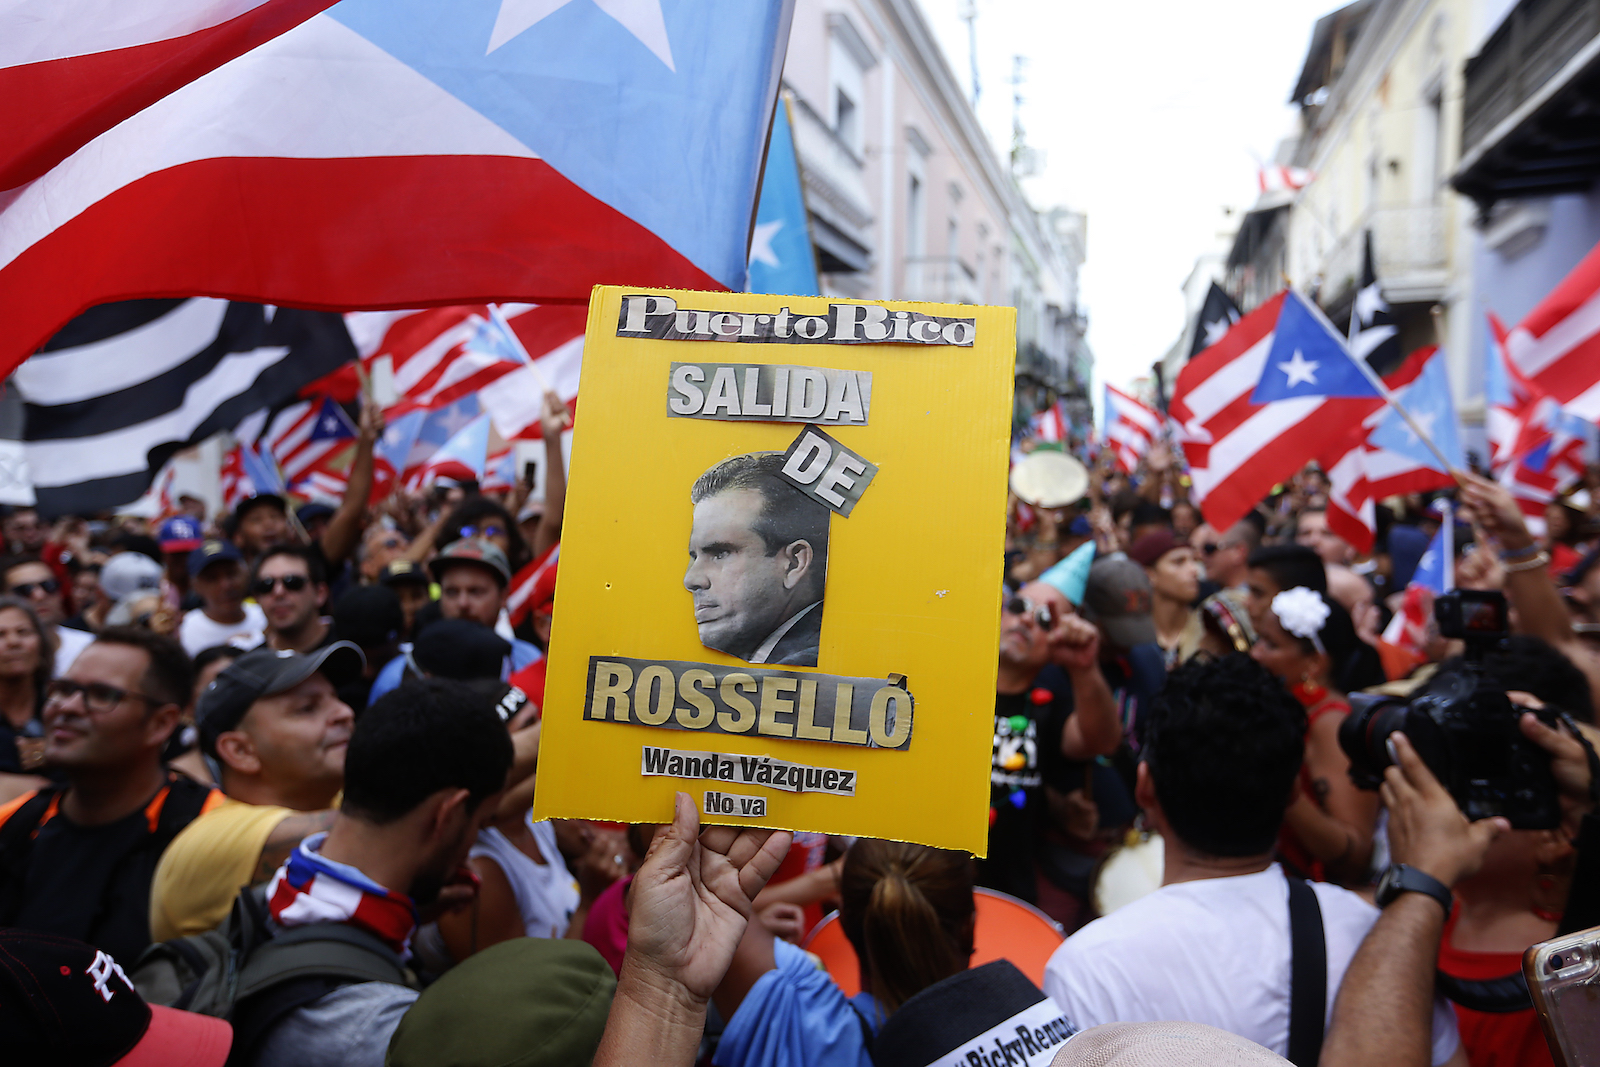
(1400, 878)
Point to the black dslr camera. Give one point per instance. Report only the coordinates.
(1462, 725)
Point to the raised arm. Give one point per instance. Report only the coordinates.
(1093, 729)
(344, 529)
(552, 421)
(1384, 1011)
(691, 901)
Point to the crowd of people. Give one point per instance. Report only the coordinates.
(266, 781)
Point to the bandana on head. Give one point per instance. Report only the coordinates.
(311, 889)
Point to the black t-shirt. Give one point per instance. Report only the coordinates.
(1026, 755)
(93, 883)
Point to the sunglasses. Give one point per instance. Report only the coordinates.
(26, 589)
(1041, 613)
(98, 697)
(488, 529)
(292, 583)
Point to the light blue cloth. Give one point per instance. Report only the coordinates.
(795, 1016)
(394, 672)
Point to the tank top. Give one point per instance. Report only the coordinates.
(546, 893)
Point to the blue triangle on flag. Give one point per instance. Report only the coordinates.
(331, 424)
(1308, 359)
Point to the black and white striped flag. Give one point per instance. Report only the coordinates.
(1374, 334)
(123, 386)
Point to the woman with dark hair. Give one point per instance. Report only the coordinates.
(478, 516)
(27, 655)
(907, 911)
(1308, 641)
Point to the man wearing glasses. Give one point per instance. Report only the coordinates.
(76, 859)
(291, 588)
(30, 578)
(1226, 555)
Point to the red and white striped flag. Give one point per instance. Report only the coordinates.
(499, 472)
(532, 585)
(1131, 426)
(1279, 179)
(304, 435)
(234, 482)
(435, 360)
(1237, 450)
(72, 69)
(1557, 345)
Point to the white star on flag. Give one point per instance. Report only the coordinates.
(1300, 369)
(1368, 303)
(642, 18)
(1425, 421)
(761, 243)
(453, 419)
(1216, 330)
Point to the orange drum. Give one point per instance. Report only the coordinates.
(1007, 928)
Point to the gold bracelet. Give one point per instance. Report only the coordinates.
(1542, 559)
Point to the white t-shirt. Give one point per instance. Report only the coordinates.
(1213, 951)
(198, 631)
(69, 643)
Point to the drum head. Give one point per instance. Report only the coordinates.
(1049, 479)
(1006, 928)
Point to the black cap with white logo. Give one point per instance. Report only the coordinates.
(65, 1002)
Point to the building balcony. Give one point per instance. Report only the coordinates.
(1528, 115)
(941, 280)
(836, 193)
(1409, 247)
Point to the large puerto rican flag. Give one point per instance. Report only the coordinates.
(72, 69)
(1270, 396)
(408, 153)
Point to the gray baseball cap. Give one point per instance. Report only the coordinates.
(264, 672)
(1117, 599)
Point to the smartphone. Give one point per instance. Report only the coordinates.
(1564, 978)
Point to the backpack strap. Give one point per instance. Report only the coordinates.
(300, 966)
(1308, 975)
(16, 845)
(1493, 995)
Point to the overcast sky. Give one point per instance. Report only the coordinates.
(1150, 117)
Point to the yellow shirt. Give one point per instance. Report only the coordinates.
(202, 871)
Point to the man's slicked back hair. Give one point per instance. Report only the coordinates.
(1223, 742)
(787, 514)
(427, 735)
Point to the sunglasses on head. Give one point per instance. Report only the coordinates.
(26, 589)
(488, 529)
(1021, 605)
(292, 583)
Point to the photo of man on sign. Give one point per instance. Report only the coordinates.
(758, 562)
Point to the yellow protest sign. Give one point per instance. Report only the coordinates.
(779, 587)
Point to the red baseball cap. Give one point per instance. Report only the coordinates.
(62, 1001)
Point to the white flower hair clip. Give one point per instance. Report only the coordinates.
(1303, 613)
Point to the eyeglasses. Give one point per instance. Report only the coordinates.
(392, 542)
(488, 529)
(1041, 613)
(1211, 548)
(98, 697)
(25, 590)
(292, 583)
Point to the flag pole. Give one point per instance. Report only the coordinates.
(516, 342)
(1388, 395)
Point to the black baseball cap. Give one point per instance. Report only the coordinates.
(65, 1002)
(460, 649)
(250, 503)
(211, 552)
(310, 513)
(262, 672)
(368, 615)
(404, 572)
(1117, 599)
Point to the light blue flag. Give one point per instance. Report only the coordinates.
(1308, 359)
(262, 470)
(1429, 402)
(1436, 569)
(781, 260)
